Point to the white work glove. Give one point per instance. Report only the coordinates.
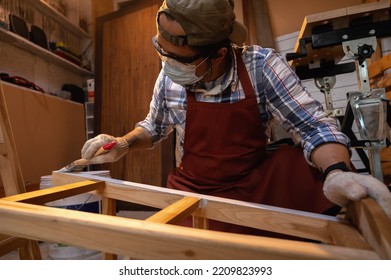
(341, 187)
(93, 145)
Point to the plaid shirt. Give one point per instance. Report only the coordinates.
(279, 93)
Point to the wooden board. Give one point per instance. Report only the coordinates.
(157, 238)
(49, 132)
(11, 177)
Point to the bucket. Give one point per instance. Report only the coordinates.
(85, 202)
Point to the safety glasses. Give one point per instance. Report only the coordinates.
(163, 55)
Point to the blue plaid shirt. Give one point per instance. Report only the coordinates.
(279, 93)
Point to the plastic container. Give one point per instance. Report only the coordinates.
(83, 202)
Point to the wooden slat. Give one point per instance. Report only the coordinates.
(199, 220)
(374, 225)
(176, 212)
(146, 240)
(382, 82)
(11, 174)
(28, 249)
(46, 195)
(9, 244)
(378, 67)
(10, 170)
(347, 237)
(264, 217)
(109, 208)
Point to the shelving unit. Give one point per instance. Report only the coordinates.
(21, 57)
(89, 108)
(26, 45)
(49, 12)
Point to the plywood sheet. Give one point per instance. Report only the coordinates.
(49, 131)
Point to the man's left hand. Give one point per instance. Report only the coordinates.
(341, 187)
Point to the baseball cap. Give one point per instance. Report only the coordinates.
(205, 22)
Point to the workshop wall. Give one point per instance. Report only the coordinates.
(287, 16)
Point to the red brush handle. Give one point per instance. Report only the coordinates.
(109, 146)
(105, 148)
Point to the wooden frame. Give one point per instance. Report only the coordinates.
(364, 234)
(379, 73)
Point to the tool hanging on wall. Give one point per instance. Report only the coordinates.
(20, 82)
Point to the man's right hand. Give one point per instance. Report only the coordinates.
(93, 145)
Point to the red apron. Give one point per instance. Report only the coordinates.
(225, 155)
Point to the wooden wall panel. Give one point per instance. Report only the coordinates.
(48, 131)
(126, 69)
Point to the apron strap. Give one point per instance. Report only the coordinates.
(243, 75)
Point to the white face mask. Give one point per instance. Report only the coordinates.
(181, 73)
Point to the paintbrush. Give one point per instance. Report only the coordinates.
(80, 164)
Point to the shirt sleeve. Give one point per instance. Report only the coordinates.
(297, 111)
(157, 123)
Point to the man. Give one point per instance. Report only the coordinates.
(221, 98)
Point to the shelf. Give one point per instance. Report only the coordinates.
(24, 44)
(89, 111)
(46, 9)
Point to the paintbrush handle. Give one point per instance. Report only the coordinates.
(105, 148)
(79, 164)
